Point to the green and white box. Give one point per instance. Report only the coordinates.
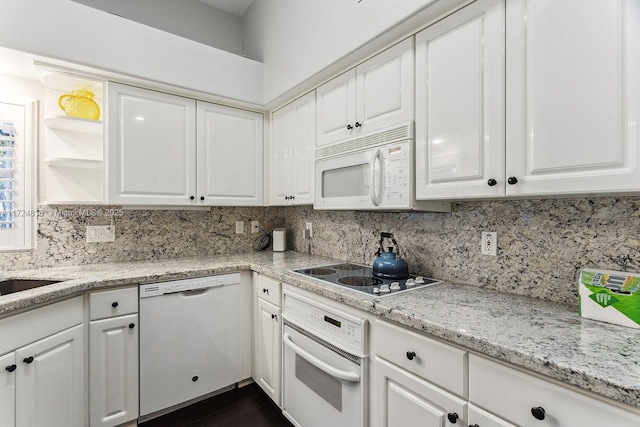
(610, 296)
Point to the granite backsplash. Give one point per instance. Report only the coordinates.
(542, 244)
(140, 234)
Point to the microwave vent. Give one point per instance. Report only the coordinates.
(387, 136)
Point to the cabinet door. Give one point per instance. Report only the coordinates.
(573, 96)
(151, 147)
(269, 349)
(385, 88)
(336, 109)
(281, 164)
(515, 395)
(113, 370)
(406, 400)
(8, 390)
(480, 418)
(230, 156)
(303, 144)
(50, 381)
(460, 104)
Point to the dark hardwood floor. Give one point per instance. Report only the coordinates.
(244, 407)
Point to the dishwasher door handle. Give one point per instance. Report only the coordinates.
(334, 372)
(194, 292)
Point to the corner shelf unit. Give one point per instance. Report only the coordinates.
(72, 162)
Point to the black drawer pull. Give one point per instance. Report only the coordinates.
(452, 417)
(114, 304)
(11, 368)
(538, 412)
(28, 360)
(411, 355)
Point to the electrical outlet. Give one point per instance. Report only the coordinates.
(101, 233)
(309, 228)
(239, 227)
(489, 243)
(255, 226)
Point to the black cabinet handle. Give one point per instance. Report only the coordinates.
(114, 304)
(349, 127)
(293, 197)
(452, 417)
(538, 412)
(132, 325)
(201, 197)
(358, 124)
(274, 316)
(411, 355)
(194, 378)
(512, 180)
(265, 291)
(11, 368)
(474, 425)
(492, 182)
(192, 197)
(28, 360)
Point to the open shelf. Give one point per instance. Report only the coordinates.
(73, 163)
(74, 124)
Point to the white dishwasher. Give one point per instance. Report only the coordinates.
(189, 340)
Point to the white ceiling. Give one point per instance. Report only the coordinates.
(234, 7)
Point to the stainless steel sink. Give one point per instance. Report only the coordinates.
(16, 285)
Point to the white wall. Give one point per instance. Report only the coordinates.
(68, 31)
(297, 39)
(187, 18)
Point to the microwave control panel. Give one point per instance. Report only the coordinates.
(397, 175)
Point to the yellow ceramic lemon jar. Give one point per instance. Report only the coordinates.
(80, 103)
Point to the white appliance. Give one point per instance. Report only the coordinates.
(279, 239)
(324, 365)
(371, 172)
(189, 340)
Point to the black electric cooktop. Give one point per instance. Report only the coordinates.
(361, 278)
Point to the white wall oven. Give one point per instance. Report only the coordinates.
(370, 172)
(324, 365)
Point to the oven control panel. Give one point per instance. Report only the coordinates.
(340, 329)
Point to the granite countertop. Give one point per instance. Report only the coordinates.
(545, 337)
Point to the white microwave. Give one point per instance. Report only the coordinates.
(374, 171)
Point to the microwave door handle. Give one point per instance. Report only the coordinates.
(323, 366)
(372, 186)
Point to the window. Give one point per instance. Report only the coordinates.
(17, 216)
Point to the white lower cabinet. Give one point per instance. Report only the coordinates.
(408, 400)
(42, 370)
(50, 381)
(530, 401)
(480, 418)
(418, 380)
(113, 370)
(8, 390)
(268, 337)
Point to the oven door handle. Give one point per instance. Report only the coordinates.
(334, 372)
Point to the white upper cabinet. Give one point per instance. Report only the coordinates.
(293, 142)
(460, 81)
(555, 114)
(336, 109)
(152, 147)
(230, 158)
(573, 96)
(376, 94)
(385, 88)
(157, 155)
